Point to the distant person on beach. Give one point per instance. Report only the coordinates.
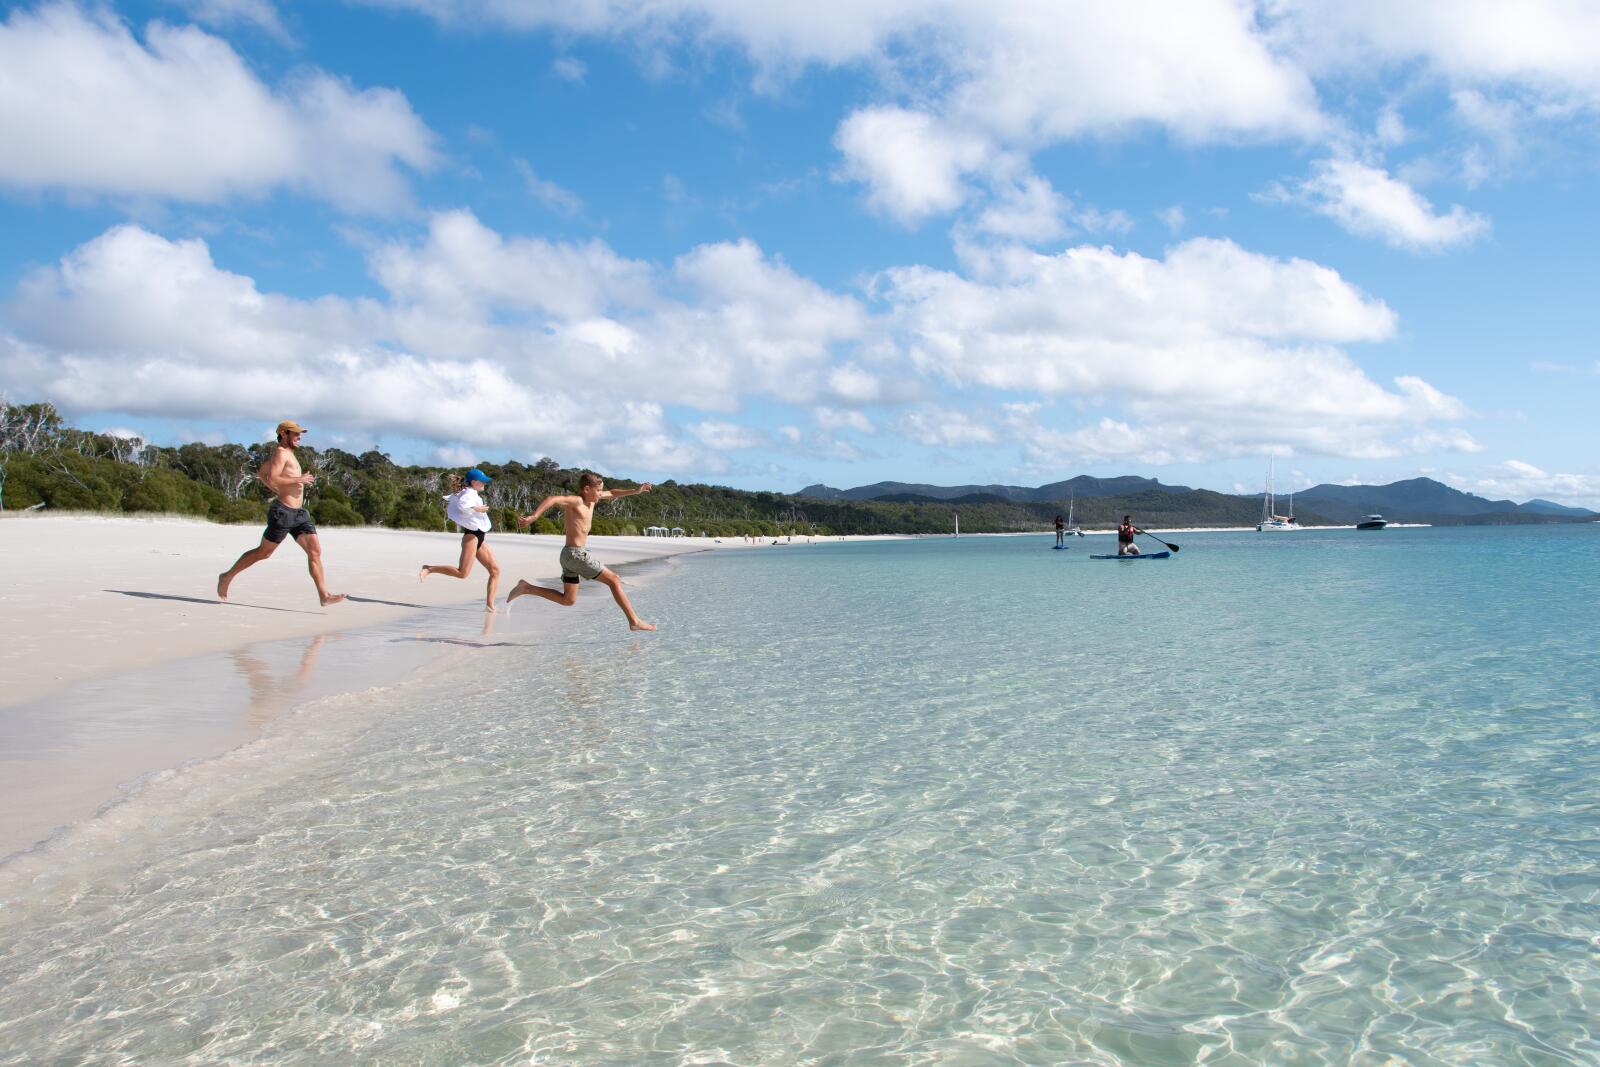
(1125, 532)
(577, 515)
(286, 515)
(465, 507)
(1061, 531)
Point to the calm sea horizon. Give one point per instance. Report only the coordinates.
(1321, 797)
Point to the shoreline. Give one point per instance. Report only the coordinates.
(135, 671)
(134, 674)
(72, 759)
(93, 597)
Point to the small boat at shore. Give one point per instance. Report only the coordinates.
(1372, 522)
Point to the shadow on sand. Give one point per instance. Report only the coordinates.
(203, 600)
(352, 598)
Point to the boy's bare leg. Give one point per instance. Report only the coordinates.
(566, 598)
(249, 559)
(462, 568)
(634, 622)
(493, 567)
(313, 549)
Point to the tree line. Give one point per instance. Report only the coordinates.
(46, 463)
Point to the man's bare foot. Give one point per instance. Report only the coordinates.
(641, 625)
(423, 573)
(223, 581)
(333, 598)
(520, 589)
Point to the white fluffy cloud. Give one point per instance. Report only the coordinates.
(944, 428)
(515, 343)
(727, 436)
(85, 106)
(260, 14)
(1521, 482)
(966, 84)
(1030, 211)
(1369, 202)
(1211, 351)
(990, 77)
(557, 348)
(912, 163)
(1550, 47)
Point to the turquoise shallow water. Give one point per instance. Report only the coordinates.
(1301, 798)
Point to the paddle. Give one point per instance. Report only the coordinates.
(1171, 547)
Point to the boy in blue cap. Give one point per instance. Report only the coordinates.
(466, 509)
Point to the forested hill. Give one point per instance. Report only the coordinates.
(45, 463)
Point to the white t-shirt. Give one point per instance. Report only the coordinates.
(459, 507)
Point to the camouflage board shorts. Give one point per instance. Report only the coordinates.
(576, 563)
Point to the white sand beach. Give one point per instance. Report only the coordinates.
(86, 596)
(111, 625)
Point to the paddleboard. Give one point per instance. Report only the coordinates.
(1142, 555)
(1059, 548)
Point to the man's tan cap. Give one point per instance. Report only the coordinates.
(290, 426)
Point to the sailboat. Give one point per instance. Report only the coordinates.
(1271, 522)
(958, 525)
(1071, 529)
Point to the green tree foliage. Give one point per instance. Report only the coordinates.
(42, 460)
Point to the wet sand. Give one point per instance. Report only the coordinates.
(87, 597)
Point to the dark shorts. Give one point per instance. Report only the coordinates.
(479, 534)
(283, 521)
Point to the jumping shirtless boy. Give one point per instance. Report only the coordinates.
(577, 514)
(286, 515)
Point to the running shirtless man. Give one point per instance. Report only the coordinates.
(577, 513)
(286, 515)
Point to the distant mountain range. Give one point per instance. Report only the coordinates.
(1083, 486)
(1413, 500)
(1425, 500)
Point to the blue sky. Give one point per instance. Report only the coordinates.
(765, 246)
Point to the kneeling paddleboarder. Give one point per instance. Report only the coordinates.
(1125, 532)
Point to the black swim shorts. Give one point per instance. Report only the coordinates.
(479, 534)
(283, 521)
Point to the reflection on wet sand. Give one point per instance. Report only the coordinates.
(270, 695)
(489, 618)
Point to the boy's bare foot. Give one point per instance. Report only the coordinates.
(641, 626)
(423, 573)
(520, 589)
(333, 598)
(223, 582)
(491, 609)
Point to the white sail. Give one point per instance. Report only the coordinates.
(1270, 520)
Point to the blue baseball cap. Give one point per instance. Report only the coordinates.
(476, 475)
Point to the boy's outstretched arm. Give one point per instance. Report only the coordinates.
(609, 494)
(544, 505)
